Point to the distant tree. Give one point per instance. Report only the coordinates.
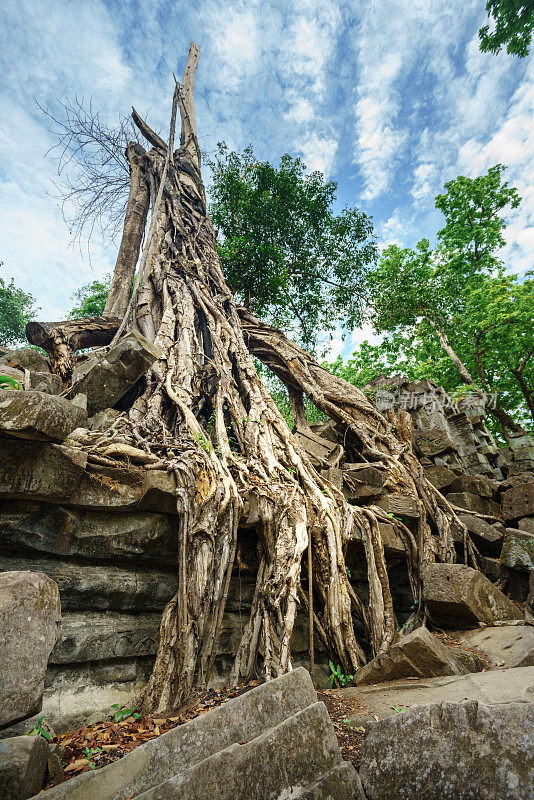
(514, 22)
(452, 313)
(16, 309)
(91, 298)
(285, 253)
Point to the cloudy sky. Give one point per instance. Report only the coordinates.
(390, 98)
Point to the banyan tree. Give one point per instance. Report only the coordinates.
(206, 416)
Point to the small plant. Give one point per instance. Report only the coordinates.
(40, 731)
(348, 572)
(346, 723)
(124, 713)
(7, 382)
(337, 675)
(399, 710)
(89, 753)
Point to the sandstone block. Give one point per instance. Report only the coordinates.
(439, 476)
(518, 550)
(400, 505)
(526, 524)
(98, 637)
(30, 614)
(23, 762)
(457, 596)
(504, 646)
(36, 415)
(472, 502)
(487, 538)
(518, 501)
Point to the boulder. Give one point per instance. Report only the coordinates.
(487, 538)
(518, 550)
(518, 501)
(472, 502)
(419, 655)
(491, 686)
(504, 645)
(23, 763)
(97, 637)
(30, 614)
(457, 596)
(26, 358)
(476, 484)
(242, 720)
(451, 751)
(94, 587)
(127, 537)
(115, 372)
(46, 382)
(36, 415)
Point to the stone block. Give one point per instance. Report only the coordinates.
(476, 484)
(400, 505)
(457, 596)
(23, 763)
(518, 501)
(318, 448)
(362, 484)
(472, 502)
(40, 416)
(506, 646)
(47, 382)
(433, 442)
(487, 538)
(30, 614)
(439, 476)
(93, 587)
(393, 544)
(419, 655)
(108, 380)
(526, 524)
(26, 358)
(98, 637)
(334, 475)
(518, 550)
(448, 751)
(239, 720)
(129, 537)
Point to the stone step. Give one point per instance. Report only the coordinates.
(240, 720)
(282, 762)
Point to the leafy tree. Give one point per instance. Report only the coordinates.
(514, 22)
(285, 253)
(91, 298)
(16, 309)
(452, 313)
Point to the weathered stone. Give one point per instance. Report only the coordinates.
(466, 751)
(504, 645)
(492, 568)
(526, 524)
(362, 484)
(23, 762)
(400, 505)
(419, 655)
(487, 538)
(440, 476)
(103, 420)
(472, 502)
(334, 475)
(30, 614)
(47, 382)
(97, 637)
(138, 537)
(36, 415)
(284, 762)
(491, 686)
(88, 587)
(108, 380)
(518, 501)
(318, 448)
(518, 550)
(433, 442)
(457, 596)
(26, 358)
(393, 544)
(475, 484)
(239, 720)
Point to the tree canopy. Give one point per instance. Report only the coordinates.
(16, 309)
(91, 298)
(285, 253)
(513, 25)
(452, 313)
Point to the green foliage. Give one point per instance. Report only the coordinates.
(399, 710)
(514, 22)
(124, 713)
(91, 299)
(7, 382)
(284, 252)
(89, 753)
(16, 310)
(40, 731)
(336, 676)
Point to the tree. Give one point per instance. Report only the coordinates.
(16, 309)
(209, 420)
(286, 255)
(457, 298)
(91, 299)
(514, 22)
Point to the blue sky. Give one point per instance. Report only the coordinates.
(389, 98)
